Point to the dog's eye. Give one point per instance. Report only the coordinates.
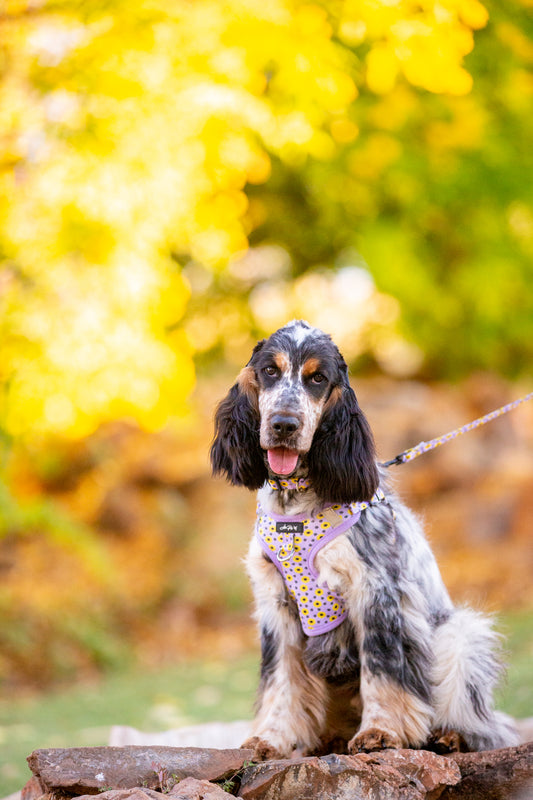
(270, 371)
(318, 377)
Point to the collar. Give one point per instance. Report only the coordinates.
(299, 484)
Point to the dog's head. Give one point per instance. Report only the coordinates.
(292, 409)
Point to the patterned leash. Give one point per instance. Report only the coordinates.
(425, 447)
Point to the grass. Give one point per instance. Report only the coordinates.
(183, 695)
(516, 694)
(83, 715)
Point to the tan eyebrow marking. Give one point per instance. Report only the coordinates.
(311, 366)
(282, 362)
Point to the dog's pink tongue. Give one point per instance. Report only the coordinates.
(282, 461)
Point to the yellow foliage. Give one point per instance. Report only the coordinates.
(465, 130)
(426, 41)
(130, 132)
(379, 151)
(381, 69)
(517, 40)
(473, 14)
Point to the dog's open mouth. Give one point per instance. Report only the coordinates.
(282, 461)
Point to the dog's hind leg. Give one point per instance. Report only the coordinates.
(466, 671)
(292, 702)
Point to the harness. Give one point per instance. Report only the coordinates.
(292, 544)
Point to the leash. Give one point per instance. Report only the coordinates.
(425, 447)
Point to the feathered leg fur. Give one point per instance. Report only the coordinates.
(291, 706)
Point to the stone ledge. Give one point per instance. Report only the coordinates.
(77, 771)
(188, 773)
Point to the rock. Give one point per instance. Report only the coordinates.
(89, 770)
(193, 789)
(494, 775)
(433, 774)
(32, 790)
(133, 773)
(138, 793)
(394, 774)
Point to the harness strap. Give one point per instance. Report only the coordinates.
(425, 447)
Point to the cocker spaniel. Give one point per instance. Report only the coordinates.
(362, 648)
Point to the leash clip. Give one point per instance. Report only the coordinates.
(399, 459)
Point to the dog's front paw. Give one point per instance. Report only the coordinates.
(444, 741)
(373, 739)
(263, 750)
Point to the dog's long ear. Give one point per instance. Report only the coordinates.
(236, 452)
(342, 461)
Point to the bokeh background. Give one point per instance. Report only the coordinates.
(180, 178)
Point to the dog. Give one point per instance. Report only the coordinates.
(362, 648)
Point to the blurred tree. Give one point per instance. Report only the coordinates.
(179, 176)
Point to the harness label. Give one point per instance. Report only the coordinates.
(289, 527)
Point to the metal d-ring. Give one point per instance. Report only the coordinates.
(289, 550)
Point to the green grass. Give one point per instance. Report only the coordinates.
(183, 695)
(516, 694)
(82, 716)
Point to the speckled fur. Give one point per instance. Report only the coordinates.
(406, 668)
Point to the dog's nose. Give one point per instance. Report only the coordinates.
(284, 425)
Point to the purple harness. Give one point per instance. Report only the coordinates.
(292, 543)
